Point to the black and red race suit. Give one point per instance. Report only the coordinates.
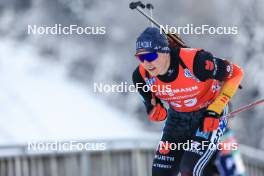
(195, 78)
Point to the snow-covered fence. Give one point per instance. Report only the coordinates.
(125, 157)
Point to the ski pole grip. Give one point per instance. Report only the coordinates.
(149, 6)
(134, 5)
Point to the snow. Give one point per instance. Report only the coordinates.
(39, 103)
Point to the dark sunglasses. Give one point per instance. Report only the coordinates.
(148, 57)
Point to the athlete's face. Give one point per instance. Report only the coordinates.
(158, 66)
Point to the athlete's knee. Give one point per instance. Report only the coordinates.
(185, 171)
(164, 169)
(190, 170)
(156, 171)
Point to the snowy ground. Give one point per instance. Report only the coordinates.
(38, 103)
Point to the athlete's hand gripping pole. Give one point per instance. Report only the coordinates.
(158, 112)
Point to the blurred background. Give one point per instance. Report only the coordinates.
(47, 81)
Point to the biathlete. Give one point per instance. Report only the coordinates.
(196, 86)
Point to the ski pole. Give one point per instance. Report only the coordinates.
(173, 37)
(242, 109)
(136, 5)
(150, 7)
